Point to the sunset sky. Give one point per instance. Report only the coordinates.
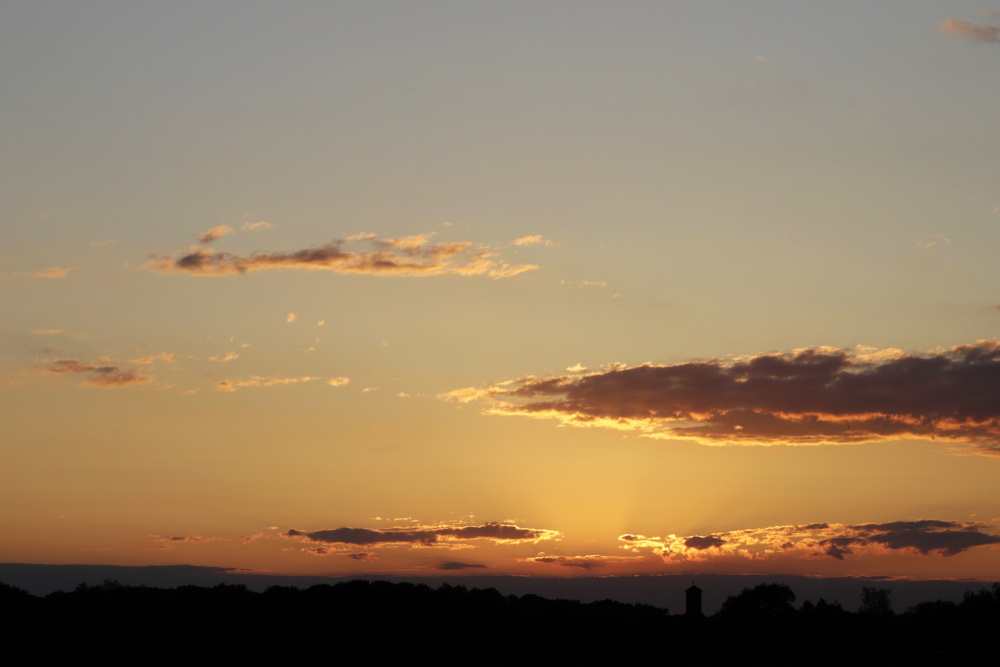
(560, 288)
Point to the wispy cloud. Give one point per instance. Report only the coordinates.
(933, 240)
(536, 239)
(404, 256)
(54, 272)
(338, 381)
(582, 562)
(166, 357)
(256, 226)
(259, 381)
(186, 538)
(103, 374)
(455, 565)
(808, 396)
(214, 234)
(970, 30)
(436, 535)
(926, 537)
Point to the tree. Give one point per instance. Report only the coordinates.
(876, 601)
(761, 601)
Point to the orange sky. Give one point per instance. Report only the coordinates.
(557, 289)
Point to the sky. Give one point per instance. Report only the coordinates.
(534, 288)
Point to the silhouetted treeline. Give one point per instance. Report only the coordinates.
(377, 623)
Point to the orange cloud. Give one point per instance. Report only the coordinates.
(258, 381)
(54, 272)
(970, 30)
(536, 239)
(808, 396)
(167, 357)
(926, 537)
(214, 234)
(404, 256)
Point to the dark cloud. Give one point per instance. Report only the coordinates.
(454, 565)
(696, 542)
(582, 562)
(948, 538)
(588, 562)
(927, 537)
(178, 539)
(406, 256)
(361, 536)
(810, 396)
(439, 535)
(98, 375)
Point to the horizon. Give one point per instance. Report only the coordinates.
(665, 591)
(554, 290)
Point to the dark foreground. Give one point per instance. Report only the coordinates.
(378, 623)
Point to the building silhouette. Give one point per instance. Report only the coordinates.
(692, 597)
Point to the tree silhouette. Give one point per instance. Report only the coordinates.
(761, 601)
(876, 601)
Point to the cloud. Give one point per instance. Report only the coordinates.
(439, 535)
(185, 538)
(454, 565)
(256, 226)
(47, 332)
(258, 381)
(702, 543)
(54, 272)
(970, 30)
(935, 239)
(404, 256)
(804, 397)
(103, 375)
(536, 239)
(167, 357)
(584, 283)
(338, 382)
(214, 234)
(925, 537)
(290, 317)
(583, 562)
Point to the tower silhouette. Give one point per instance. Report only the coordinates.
(692, 597)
